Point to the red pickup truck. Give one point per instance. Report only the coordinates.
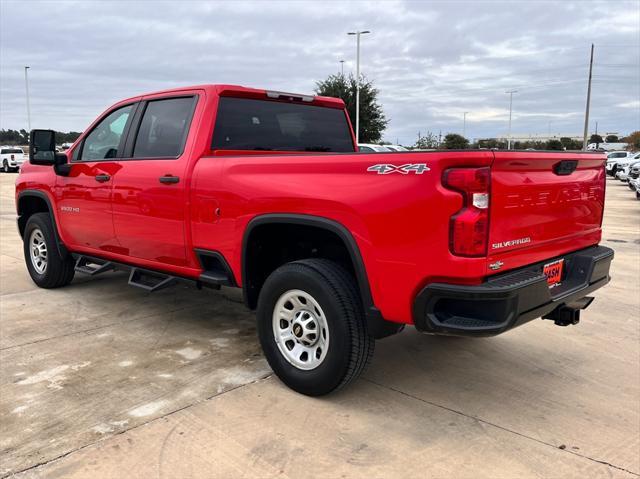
(230, 186)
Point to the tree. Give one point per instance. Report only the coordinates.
(372, 119)
(595, 139)
(426, 142)
(611, 139)
(15, 137)
(569, 144)
(453, 141)
(554, 145)
(633, 141)
(492, 143)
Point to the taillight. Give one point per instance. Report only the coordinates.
(469, 227)
(12, 157)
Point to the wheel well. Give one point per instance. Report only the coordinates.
(270, 245)
(27, 206)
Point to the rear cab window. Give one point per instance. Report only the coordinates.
(265, 125)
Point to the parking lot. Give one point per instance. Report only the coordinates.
(102, 380)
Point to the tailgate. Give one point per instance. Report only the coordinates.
(543, 205)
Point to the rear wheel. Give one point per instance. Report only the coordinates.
(5, 166)
(47, 267)
(312, 327)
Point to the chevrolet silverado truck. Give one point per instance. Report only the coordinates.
(223, 185)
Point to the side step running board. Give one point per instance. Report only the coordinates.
(93, 266)
(150, 280)
(142, 278)
(216, 274)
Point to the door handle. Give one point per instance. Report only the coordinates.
(102, 178)
(168, 179)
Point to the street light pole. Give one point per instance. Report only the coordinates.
(342, 68)
(586, 112)
(464, 124)
(26, 86)
(510, 92)
(357, 33)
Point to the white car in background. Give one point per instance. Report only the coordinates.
(372, 148)
(396, 148)
(616, 159)
(11, 158)
(623, 173)
(624, 166)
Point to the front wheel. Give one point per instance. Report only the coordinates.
(47, 267)
(312, 326)
(5, 166)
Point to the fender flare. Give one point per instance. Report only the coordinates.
(62, 249)
(373, 315)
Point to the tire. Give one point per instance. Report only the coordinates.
(337, 311)
(5, 166)
(48, 270)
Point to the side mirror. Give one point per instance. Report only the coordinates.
(42, 147)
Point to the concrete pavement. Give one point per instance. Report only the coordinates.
(102, 380)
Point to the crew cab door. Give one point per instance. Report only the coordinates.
(83, 198)
(149, 198)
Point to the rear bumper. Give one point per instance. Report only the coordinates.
(510, 299)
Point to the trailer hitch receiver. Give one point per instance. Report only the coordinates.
(569, 313)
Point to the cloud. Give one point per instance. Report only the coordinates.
(634, 104)
(431, 61)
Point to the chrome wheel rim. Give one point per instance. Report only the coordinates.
(300, 329)
(38, 251)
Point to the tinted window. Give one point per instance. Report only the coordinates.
(246, 124)
(364, 149)
(164, 128)
(104, 140)
(6, 151)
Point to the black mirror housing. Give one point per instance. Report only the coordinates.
(42, 147)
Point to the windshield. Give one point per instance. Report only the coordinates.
(12, 150)
(248, 124)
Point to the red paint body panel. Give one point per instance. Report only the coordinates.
(400, 222)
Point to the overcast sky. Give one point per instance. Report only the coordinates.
(431, 61)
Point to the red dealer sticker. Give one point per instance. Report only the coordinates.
(553, 271)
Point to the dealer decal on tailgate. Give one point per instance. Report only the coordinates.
(553, 272)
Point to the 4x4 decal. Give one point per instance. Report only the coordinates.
(385, 168)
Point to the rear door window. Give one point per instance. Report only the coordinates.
(250, 124)
(164, 128)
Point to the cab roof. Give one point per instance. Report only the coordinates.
(245, 92)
